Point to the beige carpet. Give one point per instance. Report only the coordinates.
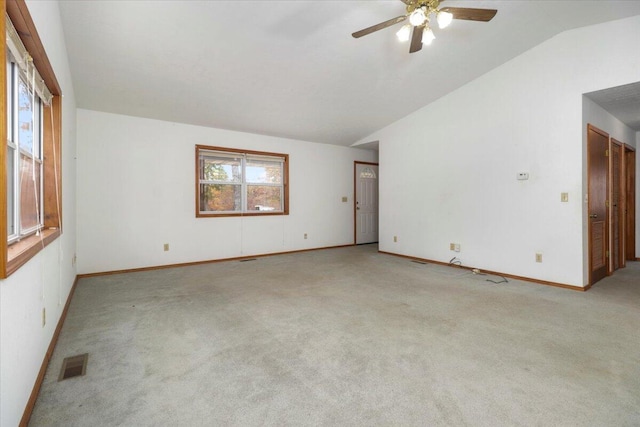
(345, 337)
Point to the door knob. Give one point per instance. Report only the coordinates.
(593, 216)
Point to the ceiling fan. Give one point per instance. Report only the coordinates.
(419, 13)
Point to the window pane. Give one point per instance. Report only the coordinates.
(25, 118)
(11, 227)
(28, 210)
(220, 169)
(37, 136)
(368, 173)
(9, 100)
(263, 172)
(264, 198)
(220, 198)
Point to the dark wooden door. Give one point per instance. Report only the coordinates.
(615, 205)
(630, 203)
(597, 171)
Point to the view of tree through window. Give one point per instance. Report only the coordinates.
(221, 184)
(236, 182)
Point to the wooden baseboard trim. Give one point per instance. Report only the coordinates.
(496, 273)
(26, 415)
(189, 264)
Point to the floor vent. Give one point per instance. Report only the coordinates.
(419, 262)
(248, 259)
(75, 366)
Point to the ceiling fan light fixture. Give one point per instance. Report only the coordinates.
(421, 15)
(444, 19)
(404, 33)
(417, 17)
(427, 36)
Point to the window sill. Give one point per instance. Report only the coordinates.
(20, 252)
(263, 213)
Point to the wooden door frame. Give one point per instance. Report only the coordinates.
(610, 184)
(627, 149)
(355, 195)
(589, 227)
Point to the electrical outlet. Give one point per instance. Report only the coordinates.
(538, 257)
(166, 247)
(305, 236)
(44, 316)
(395, 239)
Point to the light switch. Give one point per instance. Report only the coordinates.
(344, 199)
(564, 197)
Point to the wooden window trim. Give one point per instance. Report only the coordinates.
(285, 185)
(12, 257)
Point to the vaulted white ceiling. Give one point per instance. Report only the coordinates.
(291, 68)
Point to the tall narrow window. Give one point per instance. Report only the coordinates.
(238, 182)
(24, 155)
(30, 164)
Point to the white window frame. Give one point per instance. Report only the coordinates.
(14, 76)
(243, 156)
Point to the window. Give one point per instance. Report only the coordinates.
(368, 173)
(24, 155)
(31, 161)
(239, 182)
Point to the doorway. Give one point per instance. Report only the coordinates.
(597, 179)
(366, 203)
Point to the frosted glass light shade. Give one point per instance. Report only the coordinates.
(404, 33)
(417, 17)
(444, 19)
(428, 36)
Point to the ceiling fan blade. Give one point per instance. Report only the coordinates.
(379, 26)
(416, 39)
(469, 14)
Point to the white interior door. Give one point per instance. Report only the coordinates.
(366, 203)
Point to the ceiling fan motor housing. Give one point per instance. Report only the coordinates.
(428, 6)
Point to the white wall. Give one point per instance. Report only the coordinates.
(45, 281)
(136, 191)
(448, 171)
